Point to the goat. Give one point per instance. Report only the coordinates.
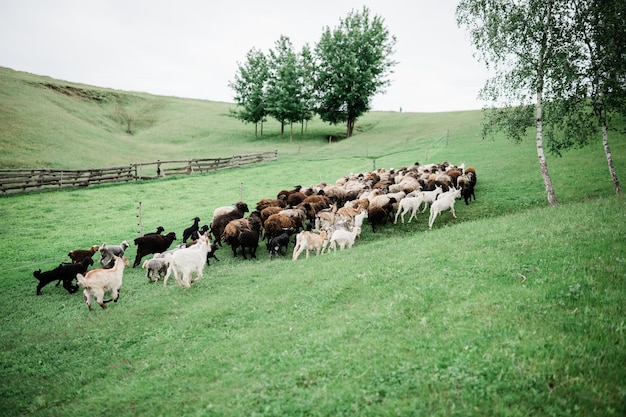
(97, 281)
(188, 232)
(407, 204)
(444, 202)
(78, 255)
(65, 273)
(307, 241)
(108, 252)
(159, 230)
(148, 244)
(344, 238)
(467, 193)
(430, 196)
(184, 262)
(275, 245)
(155, 268)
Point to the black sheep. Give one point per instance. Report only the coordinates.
(65, 272)
(188, 232)
(152, 244)
(467, 193)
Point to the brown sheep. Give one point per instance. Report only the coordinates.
(276, 224)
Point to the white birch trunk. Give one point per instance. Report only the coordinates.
(609, 159)
(545, 174)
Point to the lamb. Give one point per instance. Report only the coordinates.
(444, 202)
(344, 238)
(277, 243)
(307, 241)
(191, 229)
(184, 262)
(65, 272)
(155, 268)
(148, 244)
(97, 281)
(108, 252)
(78, 255)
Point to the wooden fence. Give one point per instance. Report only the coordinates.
(14, 181)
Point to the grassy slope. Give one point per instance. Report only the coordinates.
(407, 322)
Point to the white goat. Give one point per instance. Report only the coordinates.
(344, 238)
(407, 204)
(444, 202)
(430, 196)
(307, 241)
(184, 262)
(97, 281)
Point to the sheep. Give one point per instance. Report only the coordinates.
(65, 272)
(275, 245)
(250, 238)
(155, 268)
(269, 202)
(219, 222)
(184, 262)
(378, 216)
(467, 193)
(97, 281)
(191, 229)
(239, 206)
(78, 255)
(148, 244)
(307, 241)
(444, 202)
(344, 238)
(244, 233)
(108, 252)
(276, 224)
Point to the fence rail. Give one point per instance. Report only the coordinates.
(15, 181)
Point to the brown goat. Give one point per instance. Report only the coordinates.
(78, 255)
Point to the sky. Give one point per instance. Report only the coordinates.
(192, 48)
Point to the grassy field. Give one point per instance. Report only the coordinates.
(513, 309)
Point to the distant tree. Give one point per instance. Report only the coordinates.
(249, 87)
(353, 62)
(306, 75)
(527, 43)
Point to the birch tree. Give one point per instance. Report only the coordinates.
(523, 41)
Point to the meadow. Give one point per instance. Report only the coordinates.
(513, 309)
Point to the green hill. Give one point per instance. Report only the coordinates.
(512, 309)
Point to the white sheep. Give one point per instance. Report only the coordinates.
(184, 262)
(97, 281)
(307, 241)
(156, 267)
(444, 202)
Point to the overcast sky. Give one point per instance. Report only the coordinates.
(191, 48)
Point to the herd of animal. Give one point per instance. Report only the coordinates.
(317, 218)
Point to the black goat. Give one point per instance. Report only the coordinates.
(65, 272)
(195, 235)
(159, 230)
(277, 243)
(191, 229)
(467, 193)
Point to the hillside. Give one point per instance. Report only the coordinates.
(512, 309)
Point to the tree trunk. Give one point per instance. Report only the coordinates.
(282, 128)
(290, 132)
(540, 153)
(350, 127)
(609, 159)
(256, 130)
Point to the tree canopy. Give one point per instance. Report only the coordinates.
(336, 79)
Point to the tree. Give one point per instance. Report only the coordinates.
(352, 66)
(249, 87)
(284, 85)
(596, 90)
(526, 41)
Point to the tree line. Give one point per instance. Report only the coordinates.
(560, 68)
(335, 79)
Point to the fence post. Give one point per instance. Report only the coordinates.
(139, 222)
